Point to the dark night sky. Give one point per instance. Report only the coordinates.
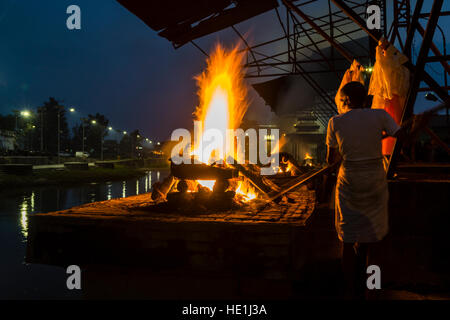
(115, 65)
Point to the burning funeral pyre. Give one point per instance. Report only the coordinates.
(211, 180)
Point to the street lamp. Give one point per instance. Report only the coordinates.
(83, 121)
(59, 130)
(41, 110)
(24, 114)
(41, 124)
(101, 138)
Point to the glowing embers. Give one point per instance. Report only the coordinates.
(308, 160)
(207, 186)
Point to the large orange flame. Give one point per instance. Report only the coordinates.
(222, 105)
(222, 96)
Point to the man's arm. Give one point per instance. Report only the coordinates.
(399, 134)
(333, 156)
(332, 144)
(391, 128)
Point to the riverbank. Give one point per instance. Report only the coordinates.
(65, 176)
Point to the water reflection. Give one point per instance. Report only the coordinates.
(108, 194)
(24, 217)
(53, 198)
(16, 205)
(32, 201)
(124, 189)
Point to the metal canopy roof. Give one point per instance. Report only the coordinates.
(182, 21)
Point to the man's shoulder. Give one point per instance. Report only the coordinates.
(357, 114)
(368, 111)
(378, 111)
(341, 116)
(337, 116)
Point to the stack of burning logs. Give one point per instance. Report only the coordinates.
(182, 187)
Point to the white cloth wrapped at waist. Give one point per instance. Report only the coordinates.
(361, 201)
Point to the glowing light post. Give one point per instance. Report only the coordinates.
(101, 138)
(109, 129)
(59, 130)
(124, 133)
(24, 114)
(41, 111)
(83, 121)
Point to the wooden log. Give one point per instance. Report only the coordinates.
(288, 159)
(160, 189)
(301, 180)
(201, 172)
(262, 184)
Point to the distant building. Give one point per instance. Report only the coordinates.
(303, 135)
(7, 141)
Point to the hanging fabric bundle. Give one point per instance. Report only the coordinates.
(389, 85)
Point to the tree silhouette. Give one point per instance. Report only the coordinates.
(47, 121)
(95, 129)
(129, 143)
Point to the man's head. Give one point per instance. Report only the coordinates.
(353, 95)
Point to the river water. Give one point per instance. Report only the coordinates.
(19, 280)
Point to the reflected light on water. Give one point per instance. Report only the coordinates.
(32, 202)
(149, 180)
(108, 194)
(137, 187)
(124, 189)
(146, 183)
(24, 217)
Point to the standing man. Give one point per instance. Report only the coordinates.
(361, 203)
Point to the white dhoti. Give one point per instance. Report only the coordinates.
(362, 201)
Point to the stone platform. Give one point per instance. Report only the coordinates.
(132, 248)
(134, 231)
(133, 238)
